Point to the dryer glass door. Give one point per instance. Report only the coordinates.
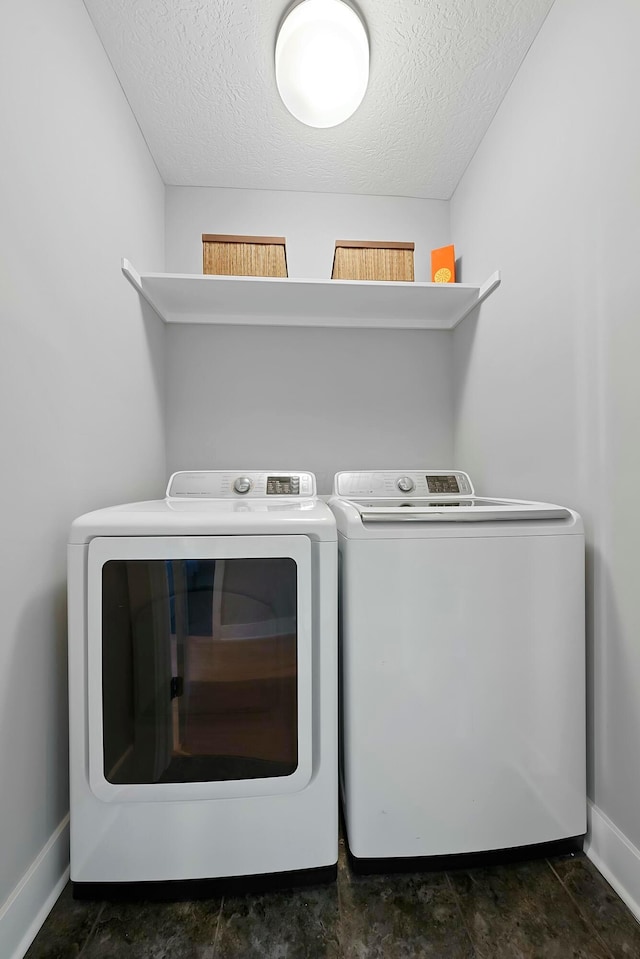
(202, 647)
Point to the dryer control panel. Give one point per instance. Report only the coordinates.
(239, 484)
(400, 483)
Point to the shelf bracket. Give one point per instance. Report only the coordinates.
(486, 290)
(134, 279)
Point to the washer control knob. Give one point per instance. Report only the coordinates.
(242, 484)
(405, 484)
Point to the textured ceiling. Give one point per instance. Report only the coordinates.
(200, 79)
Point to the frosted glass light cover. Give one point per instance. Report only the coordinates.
(322, 62)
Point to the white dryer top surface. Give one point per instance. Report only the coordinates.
(267, 508)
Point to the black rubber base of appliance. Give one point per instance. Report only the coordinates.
(179, 890)
(465, 860)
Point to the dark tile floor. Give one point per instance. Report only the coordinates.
(558, 908)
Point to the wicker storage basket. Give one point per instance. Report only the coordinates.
(226, 255)
(364, 260)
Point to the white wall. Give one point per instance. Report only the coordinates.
(81, 393)
(318, 399)
(547, 388)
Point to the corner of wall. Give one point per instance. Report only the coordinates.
(24, 912)
(615, 856)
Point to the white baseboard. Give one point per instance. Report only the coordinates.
(24, 912)
(26, 909)
(615, 857)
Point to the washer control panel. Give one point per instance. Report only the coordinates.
(247, 484)
(395, 483)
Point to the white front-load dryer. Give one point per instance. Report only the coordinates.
(462, 668)
(203, 684)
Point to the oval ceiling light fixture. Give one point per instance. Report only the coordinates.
(322, 62)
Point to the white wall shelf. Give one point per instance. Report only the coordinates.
(267, 301)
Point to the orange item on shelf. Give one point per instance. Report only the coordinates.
(443, 265)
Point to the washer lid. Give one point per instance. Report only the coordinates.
(472, 509)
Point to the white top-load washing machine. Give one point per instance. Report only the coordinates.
(462, 667)
(203, 683)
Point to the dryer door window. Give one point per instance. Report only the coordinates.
(204, 668)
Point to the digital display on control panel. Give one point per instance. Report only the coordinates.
(442, 484)
(283, 485)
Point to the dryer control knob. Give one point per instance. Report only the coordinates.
(405, 484)
(242, 484)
